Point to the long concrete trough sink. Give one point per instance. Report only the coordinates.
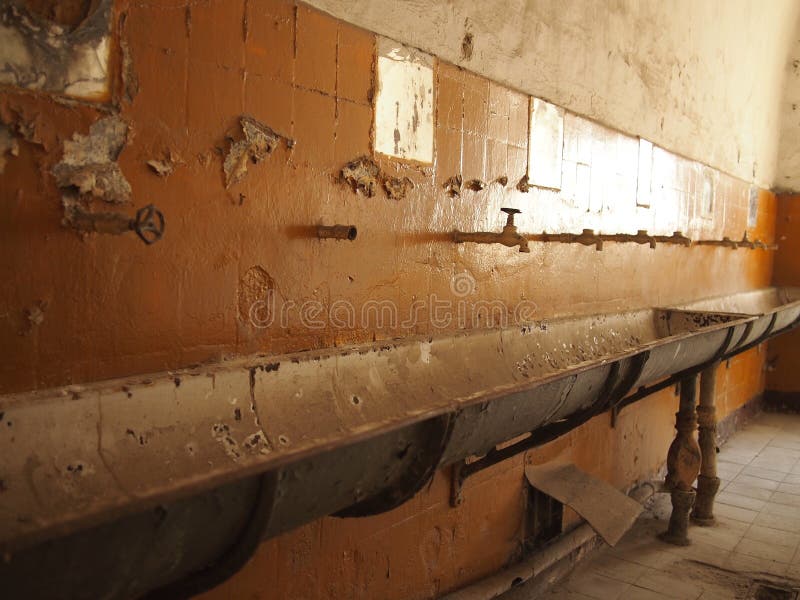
(347, 431)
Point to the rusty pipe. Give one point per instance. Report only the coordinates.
(148, 222)
(676, 238)
(508, 237)
(337, 232)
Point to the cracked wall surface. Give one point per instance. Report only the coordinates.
(788, 176)
(702, 79)
(77, 309)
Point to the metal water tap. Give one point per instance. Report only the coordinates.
(508, 237)
(678, 238)
(746, 243)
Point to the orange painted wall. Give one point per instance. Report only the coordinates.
(784, 351)
(113, 307)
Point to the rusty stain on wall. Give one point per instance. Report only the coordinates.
(56, 49)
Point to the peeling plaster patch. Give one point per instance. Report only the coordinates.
(259, 141)
(222, 433)
(8, 145)
(164, 167)
(396, 187)
(404, 103)
(89, 164)
(130, 82)
(453, 186)
(546, 144)
(362, 175)
(523, 185)
(34, 316)
(39, 54)
(476, 185)
(257, 443)
(255, 286)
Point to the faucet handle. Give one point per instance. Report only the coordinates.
(510, 212)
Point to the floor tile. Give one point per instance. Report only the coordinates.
(793, 479)
(617, 568)
(743, 563)
(732, 499)
(759, 482)
(765, 550)
(750, 491)
(773, 536)
(778, 522)
(789, 488)
(772, 466)
(669, 585)
(734, 512)
(762, 471)
(639, 593)
(597, 586)
(784, 510)
(783, 498)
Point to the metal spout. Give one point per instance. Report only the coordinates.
(337, 232)
(508, 237)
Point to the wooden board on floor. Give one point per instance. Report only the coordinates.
(606, 509)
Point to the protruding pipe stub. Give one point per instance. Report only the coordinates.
(337, 232)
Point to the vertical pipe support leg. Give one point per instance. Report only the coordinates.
(707, 481)
(683, 465)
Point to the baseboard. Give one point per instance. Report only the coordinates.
(781, 402)
(734, 421)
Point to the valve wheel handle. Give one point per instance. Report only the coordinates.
(149, 224)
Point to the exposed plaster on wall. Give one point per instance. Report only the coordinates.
(44, 55)
(699, 78)
(788, 176)
(89, 163)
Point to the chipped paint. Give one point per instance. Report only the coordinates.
(8, 146)
(89, 167)
(361, 175)
(397, 187)
(163, 167)
(258, 143)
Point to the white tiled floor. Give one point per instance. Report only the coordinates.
(756, 538)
